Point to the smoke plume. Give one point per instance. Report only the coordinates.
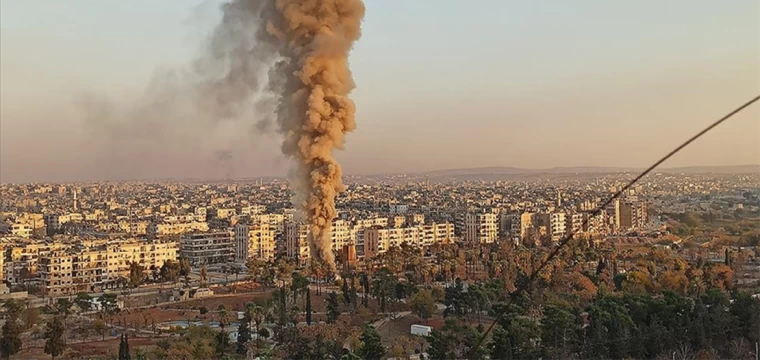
(269, 63)
(312, 81)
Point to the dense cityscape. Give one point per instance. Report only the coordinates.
(410, 249)
(379, 180)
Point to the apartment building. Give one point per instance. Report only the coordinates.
(558, 225)
(208, 248)
(176, 228)
(378, 240)
(481, 227)
(256, 240)
(89, 266)
(296, 242)
(632, 215)
(22, 230)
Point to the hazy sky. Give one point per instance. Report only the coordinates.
(440, 84)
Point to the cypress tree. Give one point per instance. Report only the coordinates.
(308, 307)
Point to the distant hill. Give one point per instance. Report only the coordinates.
(739, 169)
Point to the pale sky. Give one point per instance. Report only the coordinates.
(440, 84)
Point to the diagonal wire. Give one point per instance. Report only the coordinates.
(515, 294)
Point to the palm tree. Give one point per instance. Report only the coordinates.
(224, 318)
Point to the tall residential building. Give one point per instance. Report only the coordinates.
(296, 244)
(526, 223)
(207, 248)
(254, 241)
(481, 227)
(632, 215)
(558, 223)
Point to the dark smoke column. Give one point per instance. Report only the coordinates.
(312, 81)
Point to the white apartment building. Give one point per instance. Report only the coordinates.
(253, 209)
(23, 230)
(576, 221)
(256, 240)
(481, 227)
(176, 228)
(341, 233)
(90, 266)
(378, 240)
(558, 225)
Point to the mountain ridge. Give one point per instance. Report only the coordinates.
(508, 170)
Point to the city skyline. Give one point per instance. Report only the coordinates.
(539, 101)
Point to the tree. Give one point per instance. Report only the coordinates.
(63, 307)
(333, 310)
(384, 284)
(255, 268)
(299, 284)
(559, 331)
(204, 276)
(372, 348)
(13, 307)
(185, 269)
(170, 271)
(222, 342)
(136, 274)
(244, 335)
(454, 341)
(224, 317)
(308, 307)
(83, 301)
(364, 282)
(124, 348)
(10, 341)
(108, 305)
(225, 269)
(99, 326)
(346, 292)
(422, 304)
(54, 344)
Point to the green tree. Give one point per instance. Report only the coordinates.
(383, 286)
(170, 271)
(559, 331)
(13, 307)
(454, 341)
(54, 344)
(222, 343)
(63, 307)
(204, 276)
(124, 348)
(244, 330)
(299, 284)
(346, 292)
(308, 307)
(108, 306)
(10, 341)
(333, 310)
(136, 274)
(83, 301)
(372, 347)
(364, 282)
(422, 304)
(185, 269)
